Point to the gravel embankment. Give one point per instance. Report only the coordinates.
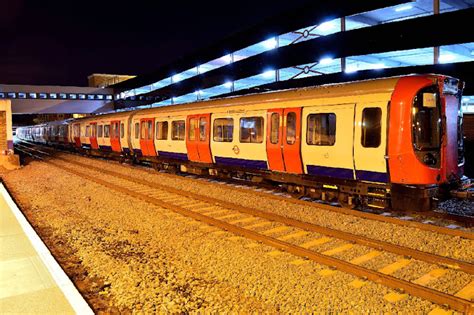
(146, 259)
(439, 244)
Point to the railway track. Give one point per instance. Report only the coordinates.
(288, 235)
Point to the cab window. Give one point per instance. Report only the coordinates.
(251, 130)
(223, 130)
(371, 127)
(178, 130)
(321, 129)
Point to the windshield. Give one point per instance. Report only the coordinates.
(426, 123)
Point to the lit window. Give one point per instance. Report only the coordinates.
(100, 131)
(109, 97)
(43, 96)
(202, 129)
(137, 130)
(223, 130)
(2, 95)
(90, 97)
(53, 95)
(275, 128)
(178, 130)
(62, 96)
(11, 95)
(100, 97)
(82, 96)
(73, 96)
(162, 130)
(32, 95)
(321, 129)
(21, 95)
(193, 123)
(251, 130)
(291, 128)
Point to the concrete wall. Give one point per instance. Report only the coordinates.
(7, 158)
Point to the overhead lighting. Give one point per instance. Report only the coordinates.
(404, 8)
(465, 99)
(227, 58)
(378, 66)
(228, 84)
(269, 74)
(351, 69)
(327, 26)
(176, 78)
(326, 61)
(270, 43)
(446, 58)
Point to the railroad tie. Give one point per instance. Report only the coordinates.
(277, 230)
(399, 264)
(338, 250)
(364, 258)
(315, 242)
(467, 292)
(430, 276)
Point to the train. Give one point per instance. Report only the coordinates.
(389, 143)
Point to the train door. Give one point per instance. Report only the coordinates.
(93, 137)
(370, 142)
(284, 140)
(115, 136)
(76, 128)
(329, 137)
(146, 136)
(198, 138)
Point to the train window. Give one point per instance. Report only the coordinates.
(149, 130)
(143, 130)
(162, 130)
(178, 130)
(291, 128)
(77, 131)
(43, 96)
(62, 96)
(82, 96)
(2, 95)
(193, 123)
(32, 95)
(94, 131)
(100, 130)
(137, 130)
(202, 129)
(251, 130)
(109, 97)
(90, 97)
(122, 130)
(53, 95)
(321, 129)
(223, 130)
(275, 128)
(21, 95)
(11, 95)
(106, 131)
(426, 122)
(371, 127)
(73, 96)
(88, 131)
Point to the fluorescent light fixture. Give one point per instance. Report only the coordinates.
(446, 58)
(351, 69)
(326, 61)
(326, 26)
(270, 43)
(404, 8)
(269, 74)
(228, 84)
(378, 66)
(176, 78)
(227, 58)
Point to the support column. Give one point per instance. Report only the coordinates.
(436, 49)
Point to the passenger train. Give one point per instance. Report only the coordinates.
(392, 142)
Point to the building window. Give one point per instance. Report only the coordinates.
(275, 128)
(193, 124)
(73, 96)
(90, 97)
(137, 130)
(32, 95)
(82, 96)
(106, 131)
(43, 96)
(150, 130)
(251, 130)
(11, 95)
(99, 97)
(162, 130)
(143, 130)
(2, 95)
(63, 96)
(94, 130)
(22, 95)
(122, 130)
(100, 131)
(371, 127)
(178, 130)
(321, 129)
(109, 97)
(53, 96)
(223, 130)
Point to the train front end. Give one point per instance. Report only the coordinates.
(426, 149)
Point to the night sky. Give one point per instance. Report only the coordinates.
(62, 42)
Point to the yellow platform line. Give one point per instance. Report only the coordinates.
(277, 230)
(257, 225)
(395, 266)
(293, 235)
(316, 242)
(467, 292)
(362, 259)
(430, 276)
(337, 250)
(245, 220)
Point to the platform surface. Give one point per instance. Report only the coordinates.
(31, 281)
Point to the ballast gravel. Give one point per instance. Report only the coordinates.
(148, 259)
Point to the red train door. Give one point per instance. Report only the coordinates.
(198, 138)
(77, 134)
(93, 137)
(274, 136)
(115, 136)
(284, 140)
(146, 136)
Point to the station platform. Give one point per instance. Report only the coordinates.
(31, 281)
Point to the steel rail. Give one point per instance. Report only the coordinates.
(361, 240)
(437, 297)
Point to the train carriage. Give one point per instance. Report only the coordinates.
(384, 142)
